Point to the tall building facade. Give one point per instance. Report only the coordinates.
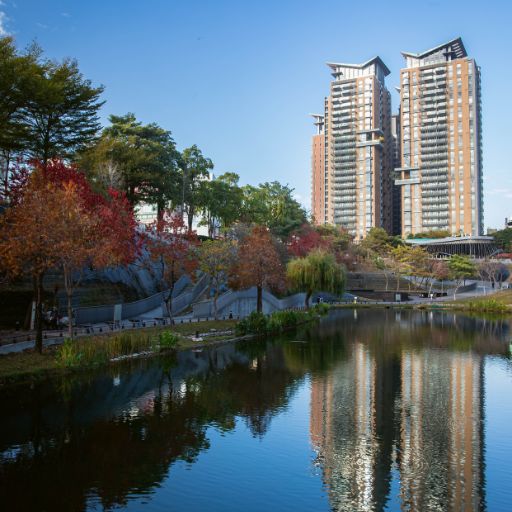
(318, 190)
(358, 149)
(433, 145)
(441, 156)
(397, 193)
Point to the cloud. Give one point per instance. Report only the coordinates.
(3, 21)
(42, 25)
(65, 14)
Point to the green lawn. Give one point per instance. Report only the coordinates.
(29, 364)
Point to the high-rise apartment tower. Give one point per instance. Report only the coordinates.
(318, 190)
(357, 184)
(441, 157)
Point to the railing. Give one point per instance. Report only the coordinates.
(105, 313)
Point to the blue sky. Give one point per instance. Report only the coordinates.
(240, 78)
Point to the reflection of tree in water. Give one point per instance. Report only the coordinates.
(116, 433)
(57, 452)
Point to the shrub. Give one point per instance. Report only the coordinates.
(255, 323)
(168, 339)
(258, 323)
(321, 308)
(67, 355)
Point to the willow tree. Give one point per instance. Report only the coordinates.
(318, 271)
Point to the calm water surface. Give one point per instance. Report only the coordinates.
(367, 411)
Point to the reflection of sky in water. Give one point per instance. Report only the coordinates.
(498, 433)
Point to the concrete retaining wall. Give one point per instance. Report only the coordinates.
(97, 314)
(243, 303)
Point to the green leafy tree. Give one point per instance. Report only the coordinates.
(140, 158)
(221, 202)
(433, 233)
(504, 239)
(460, 268)
(62, 115)
(318, 271)
(272, 205)
(18, 72)
(376, 242)
(195, 172)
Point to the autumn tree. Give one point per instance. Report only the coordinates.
(318, 271)
(440, 272)
(258, 265)
(28, 245)
(56, 221)
(304, 240)
(493, 271)
(399, 262)
(174, 249)
(216, 259)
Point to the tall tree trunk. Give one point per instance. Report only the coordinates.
(69, 297)
(259, 300)
(215, 297)
(190, 218)
(160, 208)
(6, 174)
(308, 296)
(39, 291)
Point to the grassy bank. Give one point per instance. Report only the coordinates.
(279, 321)
(94, 351)
(498, 303)
(86, 352)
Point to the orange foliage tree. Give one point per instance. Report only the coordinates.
(174, 249)
(56, 221)
(258, 265)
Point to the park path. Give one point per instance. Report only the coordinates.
(155, 318)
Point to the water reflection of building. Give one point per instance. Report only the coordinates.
(416, 418)
(440, 444)
(352, 433)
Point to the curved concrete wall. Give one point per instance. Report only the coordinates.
(182, 299)
(243, 303)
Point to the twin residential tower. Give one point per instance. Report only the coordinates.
(418, 171)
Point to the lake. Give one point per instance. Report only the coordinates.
(367, 410)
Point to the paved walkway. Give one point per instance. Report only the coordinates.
(155, 318)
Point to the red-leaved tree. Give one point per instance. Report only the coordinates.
(56, 221)
(173, 247)
(304, 240)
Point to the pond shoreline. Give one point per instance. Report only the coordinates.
(31, 367)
